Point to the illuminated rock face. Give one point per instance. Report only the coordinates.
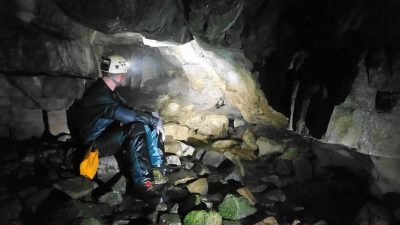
(197, 80)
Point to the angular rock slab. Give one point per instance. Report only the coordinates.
(224, 144)
(173, 160)
(268, 221)
(178, 148)
(268, 147)
(235, 208)
(249, 140)
(178, 132)
(238, 123)
(182, 176)
(76, 187)
(215, 125)
(246, 193)
(199, 186)
(108, 168)
(173, 147)
(112, 198)
(170, 219)
(213, 158)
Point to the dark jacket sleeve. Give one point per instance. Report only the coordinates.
(126, 115)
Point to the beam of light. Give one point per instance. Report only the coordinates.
(154, 43)
(192, 53)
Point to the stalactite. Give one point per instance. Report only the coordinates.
(296, 63)
(301, 127)
(293, 103)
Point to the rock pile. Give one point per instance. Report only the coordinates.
(269, 177)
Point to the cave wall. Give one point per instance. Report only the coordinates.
(45, 60)
(368, 120)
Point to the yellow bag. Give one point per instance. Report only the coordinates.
(90, 163)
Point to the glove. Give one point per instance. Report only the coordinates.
(159, 127)
(160, 131)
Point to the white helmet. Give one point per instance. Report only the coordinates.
(114, 64)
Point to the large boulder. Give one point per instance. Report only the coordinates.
(41, 92)
(38, 72)
(43, 54)
(365, 124)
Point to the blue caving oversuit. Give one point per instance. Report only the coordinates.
(97, 117)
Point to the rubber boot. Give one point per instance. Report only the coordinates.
(140, 168)
(164, 168)
(156, 154)
(156, 151)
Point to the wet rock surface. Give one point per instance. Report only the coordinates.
(41, 185)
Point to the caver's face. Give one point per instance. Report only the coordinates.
(120, 79)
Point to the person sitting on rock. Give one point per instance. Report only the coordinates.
(102, 117)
